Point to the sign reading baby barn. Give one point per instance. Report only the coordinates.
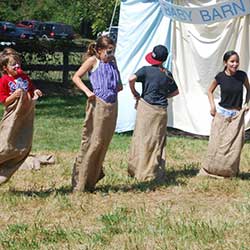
(206, 14)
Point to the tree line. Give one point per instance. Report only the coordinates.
(81, 14)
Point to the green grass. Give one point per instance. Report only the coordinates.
(58, 123)
(39, 211)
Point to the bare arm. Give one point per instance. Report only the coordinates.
(120, 86)
(10, 99)
(247, 86)
(85, 67)
(132, 80)
(211, 89)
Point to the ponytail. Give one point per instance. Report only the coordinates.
(91, 51)
(102, 42)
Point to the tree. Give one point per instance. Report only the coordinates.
(97, 13)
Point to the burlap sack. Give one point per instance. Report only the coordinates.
(34, 162)
(147, 150)
(225, 144)
(16, 132)
(98, 129)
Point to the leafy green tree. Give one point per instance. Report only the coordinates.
(97, 13)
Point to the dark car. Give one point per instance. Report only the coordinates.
(52, 30)
(29, 24)
(9, 31)
(25, 33)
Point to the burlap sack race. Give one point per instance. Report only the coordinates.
(16, 132)
(147, 150)
(98, 129)
(225, 144)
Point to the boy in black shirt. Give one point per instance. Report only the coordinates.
(147, 152)
(157, 82)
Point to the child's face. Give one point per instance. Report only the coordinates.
(107, 54)
(232, 63)
(12, 67)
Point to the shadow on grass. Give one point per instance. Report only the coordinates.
(173, 178)
(244, 176)
(43, 193)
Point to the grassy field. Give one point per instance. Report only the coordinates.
(38, 210)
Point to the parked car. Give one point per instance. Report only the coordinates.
(29, 24)
(53, 30)
(112, 32)
(26, 33)
(9, 30)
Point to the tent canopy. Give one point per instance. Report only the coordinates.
(196, 44)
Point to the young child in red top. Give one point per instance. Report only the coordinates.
(14, 79)
(17, 94)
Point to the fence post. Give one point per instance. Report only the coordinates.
(65, 67)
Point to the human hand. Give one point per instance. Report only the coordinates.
(120, 87)
(91, 96)
(17, 93)
(137, 96)
(37, 93)
(136, 103)
(213, 111)
(246, 106)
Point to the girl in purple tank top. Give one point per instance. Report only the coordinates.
(101, 112)
(102, 70)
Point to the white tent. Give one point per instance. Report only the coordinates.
(197, 34)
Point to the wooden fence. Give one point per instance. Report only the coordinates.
(49, 47)
(65, 67)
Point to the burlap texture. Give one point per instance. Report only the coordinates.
(225, 144)
(16, 132)
(98, 129)
(147, 150)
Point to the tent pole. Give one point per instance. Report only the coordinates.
(113, 15)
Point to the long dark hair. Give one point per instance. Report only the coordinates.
(102, 42)
(227, 55)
